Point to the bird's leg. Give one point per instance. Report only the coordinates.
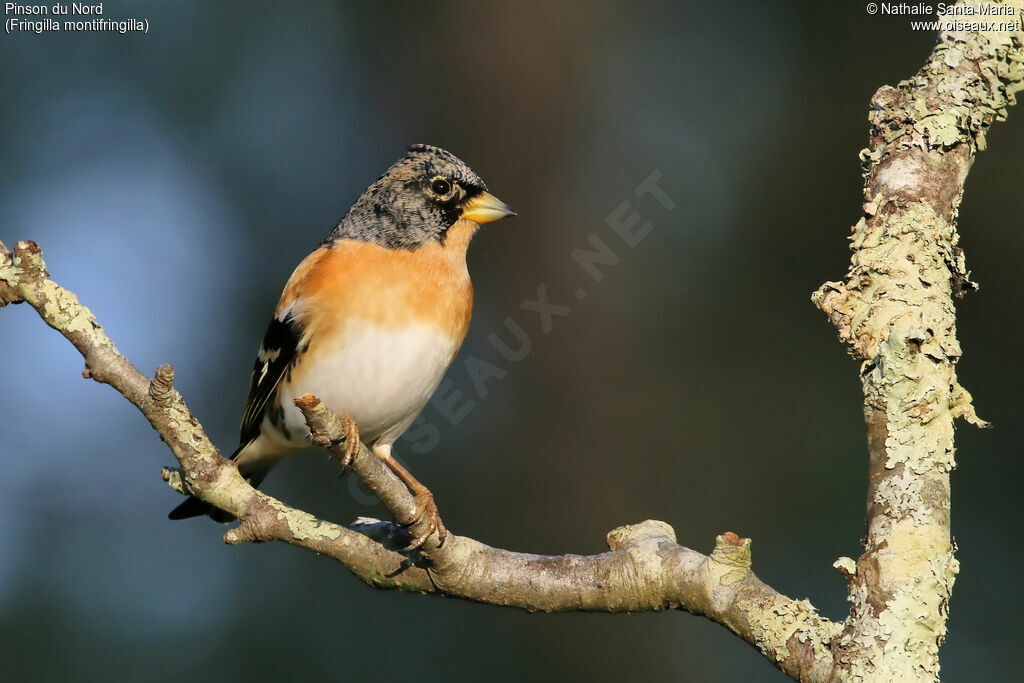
(351, 440)
(425, 506)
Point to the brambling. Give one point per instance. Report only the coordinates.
(370, 321)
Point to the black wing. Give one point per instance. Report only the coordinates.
(275, 359)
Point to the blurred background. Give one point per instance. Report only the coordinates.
(175, 179)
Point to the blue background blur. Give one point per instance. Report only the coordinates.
(175, 179)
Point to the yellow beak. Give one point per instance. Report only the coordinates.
(485, 207)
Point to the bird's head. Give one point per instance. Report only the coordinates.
(419, 199)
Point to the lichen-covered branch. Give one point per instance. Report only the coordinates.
(644, 569)
(895, 310)
(23, 279)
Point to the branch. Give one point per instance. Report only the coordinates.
(895, 310)
(24, 279)
(645, 569)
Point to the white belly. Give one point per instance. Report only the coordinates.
(381, 378)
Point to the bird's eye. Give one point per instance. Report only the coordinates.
(440, 187)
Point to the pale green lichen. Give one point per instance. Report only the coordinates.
(902, 639)
(175, 480)
(896, 311)
(774, 624)
(730, 563)
(907, 332)
(64, 306)
(942, 128)
(772, 620)
(10, 274)
(60, 308)
(303, 525)
(901, 492)
(963, 406)
(967, 99)
(901, 318)
(628, 534)
(846, 566)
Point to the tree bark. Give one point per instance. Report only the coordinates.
(895, 310)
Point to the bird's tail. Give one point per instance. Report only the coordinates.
(193, 507)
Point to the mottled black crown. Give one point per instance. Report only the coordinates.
(401, 209)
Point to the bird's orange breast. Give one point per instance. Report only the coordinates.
(388, 287)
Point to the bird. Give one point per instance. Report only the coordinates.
(370, 321)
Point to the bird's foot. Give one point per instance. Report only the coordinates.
(426, 509)
(350, 439)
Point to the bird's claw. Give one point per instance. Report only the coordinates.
(351, 441)
(426, 508)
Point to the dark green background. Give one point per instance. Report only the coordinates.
(175, 179)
